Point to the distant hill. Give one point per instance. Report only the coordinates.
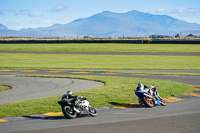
(4, 31)
(104, 24)
(2, 27)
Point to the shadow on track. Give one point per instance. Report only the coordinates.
(45, 117)
(132, 105)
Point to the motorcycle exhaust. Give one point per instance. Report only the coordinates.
(150, 97)
(76, 110)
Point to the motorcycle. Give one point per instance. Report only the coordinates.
(82, 107)
(147, 97)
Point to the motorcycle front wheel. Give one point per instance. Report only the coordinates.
(92, 111)
(68, 113)
(147, 101)
(162, 102)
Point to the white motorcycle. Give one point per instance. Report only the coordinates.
(81, 107)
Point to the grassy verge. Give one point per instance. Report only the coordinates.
(48, 61)
(104, 47)
(4, 88)
(118, 90)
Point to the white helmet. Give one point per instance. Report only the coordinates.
(140, 87)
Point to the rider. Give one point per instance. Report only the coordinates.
(154, 90)
(76, 99)
(141, 87)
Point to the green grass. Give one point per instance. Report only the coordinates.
(4, 88)
(118, 90)
(48, 61)
(104, 47)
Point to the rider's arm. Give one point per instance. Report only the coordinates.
(65, 96)
(81, 97)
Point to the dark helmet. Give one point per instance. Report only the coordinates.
(70, 93)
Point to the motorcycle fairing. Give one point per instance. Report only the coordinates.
(157, 102)
(140, 93)
(64, 102)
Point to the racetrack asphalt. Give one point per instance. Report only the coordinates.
(171, 124)
(191, 80)
(26, 88)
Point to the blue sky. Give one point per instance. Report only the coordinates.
(18, 14)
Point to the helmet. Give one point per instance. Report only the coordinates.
(140, 87)
(70, 93)
(154, 88)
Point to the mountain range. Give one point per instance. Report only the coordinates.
(110, 24)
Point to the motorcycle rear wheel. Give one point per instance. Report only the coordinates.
(92, 111)
(147, 102)
(68, 113)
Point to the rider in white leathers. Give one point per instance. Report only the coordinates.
(142, 87)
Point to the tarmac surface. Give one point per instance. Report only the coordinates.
(26, 88)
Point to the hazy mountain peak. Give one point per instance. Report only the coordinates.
(134, 12)
(3, 27)
(106, 23)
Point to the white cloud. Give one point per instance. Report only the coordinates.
(180, 11)
(47, 22)
(24, 12)
(3, 11)
(59, 8)
(37, 14)
(186, 14)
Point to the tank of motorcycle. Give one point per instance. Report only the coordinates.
(84, 103)
(140, 93)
